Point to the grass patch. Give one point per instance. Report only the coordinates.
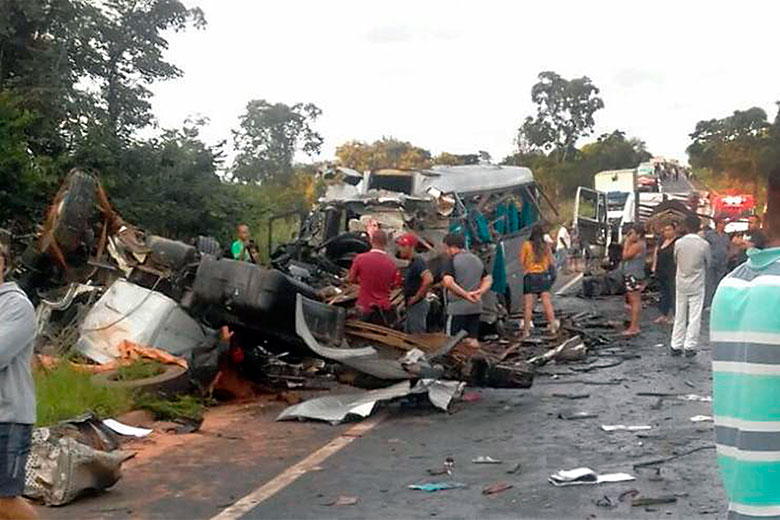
(169, 409)
(64, 393)
(140, 369)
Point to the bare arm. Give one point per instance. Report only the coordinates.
(485, 285)
(449, 282)
(655, 257)
(427, 281)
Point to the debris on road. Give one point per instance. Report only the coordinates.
(335, 408)
(514, 469)
(701, 418)
(623, 427)
(498, 487)
(573, 349)
(344, 501)
(432, 487)
(486, 460)
(574, 416)
(126, 430)
(61, 468)
(653, 501)
(586, 476)
(572, 396)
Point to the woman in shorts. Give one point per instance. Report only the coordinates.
(538, 265)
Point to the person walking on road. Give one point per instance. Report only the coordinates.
(563, 244)
(745, 337)
(537, 261)
(17, 394)
(719, 248)
(417, 281)
(665, 271)
(633, 264)
(466, 280)
(692, 256)
(376, 275)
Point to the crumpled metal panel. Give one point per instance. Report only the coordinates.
(60, 469)
(336, 408)
(130, 312)
(365, 359)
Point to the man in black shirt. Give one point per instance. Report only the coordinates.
(417, 281)
(757, 237)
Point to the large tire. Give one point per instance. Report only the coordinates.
(76, 213)
(173, 380)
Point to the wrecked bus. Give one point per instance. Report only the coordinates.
(494, 206)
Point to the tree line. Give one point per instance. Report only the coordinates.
(75, 91)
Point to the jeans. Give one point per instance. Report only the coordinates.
(687, 320)
(417, 317)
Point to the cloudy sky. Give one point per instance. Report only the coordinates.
(456, 75)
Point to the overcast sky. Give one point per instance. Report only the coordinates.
(456, 76)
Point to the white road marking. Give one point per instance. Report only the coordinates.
(291, 474)
(571, 282)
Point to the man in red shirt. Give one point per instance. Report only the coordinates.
(376, 275)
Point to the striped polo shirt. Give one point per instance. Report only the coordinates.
(745, 336)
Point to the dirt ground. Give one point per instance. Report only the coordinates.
(240, 447)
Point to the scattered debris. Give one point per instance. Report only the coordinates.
(124, 429)
(514, 469)
(482, 459)
(701, 418)
(344, 501)
(623, 427)
(653, 501)
(605, 501)
(586, 476)
(625, 495)
(572, 396)
(335, 408)
(573, 416)
(498, 487)
(436, 486)
(61, 469)
(673, 457)
(697, 398)
(573, 349)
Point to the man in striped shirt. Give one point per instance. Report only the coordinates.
(745, 335)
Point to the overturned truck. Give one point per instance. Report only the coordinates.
(493, 206)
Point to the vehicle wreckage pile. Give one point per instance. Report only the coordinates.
(110, 293)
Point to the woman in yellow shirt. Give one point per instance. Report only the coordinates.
(537, 261)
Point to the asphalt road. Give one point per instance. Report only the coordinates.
(523, 427)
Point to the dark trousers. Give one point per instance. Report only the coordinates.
(666, 291)
(379, 316)
(467, 322)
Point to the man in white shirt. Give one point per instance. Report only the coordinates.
(562, 247)
(693, 258)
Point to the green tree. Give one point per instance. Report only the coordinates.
(387, 152)
(613, 152)
(740, 146)
(129, 58)
(451, 159)
(564, 113)
(268, 138)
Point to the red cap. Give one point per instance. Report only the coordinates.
(407, 239)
